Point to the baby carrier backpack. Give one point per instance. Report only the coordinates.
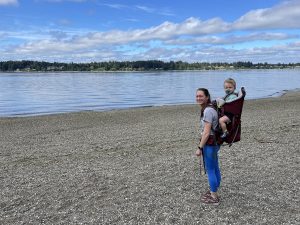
(234, 107)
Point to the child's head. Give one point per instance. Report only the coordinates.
(229, 85)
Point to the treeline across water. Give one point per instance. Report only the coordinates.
(150, 65)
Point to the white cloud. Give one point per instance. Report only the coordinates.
(174, 40)
(9, 2)
(145, 8)
(114, 6)
(281, 53)
(231, 39)
(164, 31)
(285, 15)
(277, 53)
(158, 11)
(58, 35)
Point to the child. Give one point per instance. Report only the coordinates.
(229, 87)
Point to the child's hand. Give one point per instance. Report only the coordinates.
(220, 102)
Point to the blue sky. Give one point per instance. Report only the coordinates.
(192, 31)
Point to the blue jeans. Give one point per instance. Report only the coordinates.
(212, 166)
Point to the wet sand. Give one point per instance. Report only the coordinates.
(138, 167)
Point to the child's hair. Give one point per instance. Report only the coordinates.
(230, 81)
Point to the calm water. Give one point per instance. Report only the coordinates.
(25, 94)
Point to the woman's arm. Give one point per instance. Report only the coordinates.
(204, 138)
(205, 134)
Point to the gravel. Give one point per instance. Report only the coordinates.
(138, 167)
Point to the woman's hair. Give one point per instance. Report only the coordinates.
(206, 93)
(230, 81)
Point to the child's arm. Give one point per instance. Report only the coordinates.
(231, 97)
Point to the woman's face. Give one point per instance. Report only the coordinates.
(201, 98)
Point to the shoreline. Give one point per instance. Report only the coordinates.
(138, 167)
(274, 95)
(151, 71)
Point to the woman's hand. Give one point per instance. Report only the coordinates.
(198, 152)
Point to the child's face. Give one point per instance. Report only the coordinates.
(229, 88)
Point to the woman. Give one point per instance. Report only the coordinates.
(209, 123)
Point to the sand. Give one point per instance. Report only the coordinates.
(138, 166)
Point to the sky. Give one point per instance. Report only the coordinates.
(169, 30)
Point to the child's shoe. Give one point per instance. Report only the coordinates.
(224, 135)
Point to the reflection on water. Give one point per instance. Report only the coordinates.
(24, 94)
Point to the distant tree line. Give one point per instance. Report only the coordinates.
(150, 65)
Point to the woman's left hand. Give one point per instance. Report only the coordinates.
(198, 152)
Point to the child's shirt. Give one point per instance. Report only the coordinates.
(230, 97)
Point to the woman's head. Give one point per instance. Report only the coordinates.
(229, 85)
(203, 97)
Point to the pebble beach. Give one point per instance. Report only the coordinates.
(138, 166)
